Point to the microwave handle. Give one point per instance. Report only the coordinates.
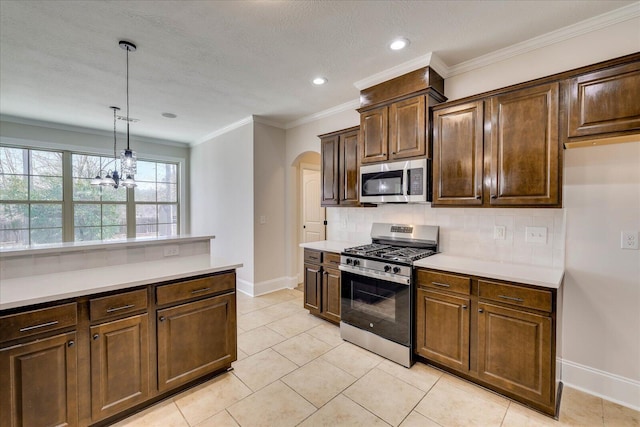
(405, 185)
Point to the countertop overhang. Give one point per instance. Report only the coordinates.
(29, 290)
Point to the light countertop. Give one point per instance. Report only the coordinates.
(24, 291)
(336, 246)
(528, 274)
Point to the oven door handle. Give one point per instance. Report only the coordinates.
(402, 280)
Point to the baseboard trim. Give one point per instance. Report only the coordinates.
(266, 287)
(612, 387)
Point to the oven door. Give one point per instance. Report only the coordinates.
(376, 305)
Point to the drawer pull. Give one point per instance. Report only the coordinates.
(96, 336)
(199, 291)
(71, 343)
(42, 325)
(161, 318)
(464, 307)
(124, 307)
(511, 298)
(444, 285)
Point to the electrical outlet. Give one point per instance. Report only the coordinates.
(536, 234)
(171, 250)
(499, 232)
(263, 219)
(629, 240)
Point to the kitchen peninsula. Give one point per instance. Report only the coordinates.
(142, 320)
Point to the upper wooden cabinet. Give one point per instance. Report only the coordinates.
(394, 116)
(603, 103)
(458, 155)
(525, 158)
(499, 151)
(340, 179)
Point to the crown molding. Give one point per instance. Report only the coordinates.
(350, 105)
(588, 25)
(223, 130)
(404, 68)
(264, 121)
(90, 131)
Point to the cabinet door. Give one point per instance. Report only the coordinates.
(195, 339)
(119, 365)
(514, 351)
(525, 160)
(458, 155)
(330, 170)
(373, 135)
(605, 101)
(443, 329)
(407, 128)
(349, 172)
(312, 288)
(331, 295)
(38, 383)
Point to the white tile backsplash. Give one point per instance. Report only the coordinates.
(464, 232)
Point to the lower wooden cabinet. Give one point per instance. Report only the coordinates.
(322, 284)
(100, 357)
(38, 383)
(443, 328)
(119, 365)
(498, 334)
(514, 351)
(195, 339)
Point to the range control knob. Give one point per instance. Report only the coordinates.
(356, 262)
(396, 270)
(387, 268)
(349, 261)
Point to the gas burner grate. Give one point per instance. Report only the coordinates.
(370, 249)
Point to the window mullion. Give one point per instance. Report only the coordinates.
(67, 198)
(131, 213)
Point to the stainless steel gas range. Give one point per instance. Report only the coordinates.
(377, 289)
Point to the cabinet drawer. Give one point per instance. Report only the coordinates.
(115, 305)
(37, 321)
(445, 282)
(331, 260)
(189, 289)
(515, 295)
(314, 257)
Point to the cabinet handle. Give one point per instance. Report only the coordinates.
(511, 298)
(444, 285)
(71, 343)
(478, 197)
(42, 325)
(464, 307)
(124, 307)
(480, 310)
(96, 336)
(198, 291)
(161, 318)
(493, 196)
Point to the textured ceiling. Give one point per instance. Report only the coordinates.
(216, 62)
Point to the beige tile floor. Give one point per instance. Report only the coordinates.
(293, 369)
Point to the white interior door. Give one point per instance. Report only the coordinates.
(313, 228)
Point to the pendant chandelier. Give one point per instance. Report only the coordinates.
(128, 157)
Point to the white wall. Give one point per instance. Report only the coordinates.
(269, 202)
(602, 281)
(222, 196)
(299, 140)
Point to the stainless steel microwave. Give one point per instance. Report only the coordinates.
(396, 182)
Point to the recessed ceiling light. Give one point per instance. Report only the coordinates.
(169, 115)
(399, 44)
(318, 81)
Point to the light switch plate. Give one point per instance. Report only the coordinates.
(629, 240)
(499, 232)
(536, 235)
